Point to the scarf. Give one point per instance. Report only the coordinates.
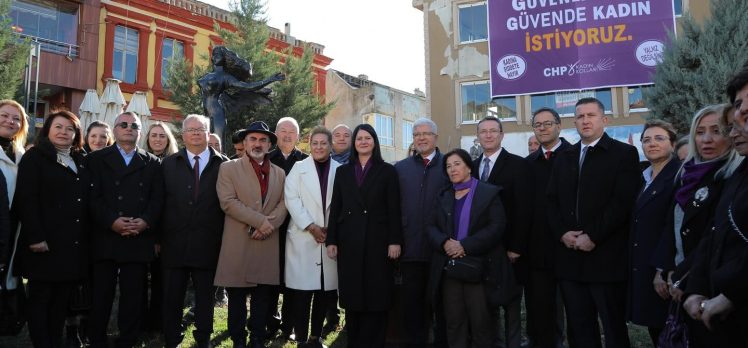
(464, 223)
(323, 170)
(66, 160)
(8, 148)
(342, 157)
(691, 177)
(361, 172)
(263, 172)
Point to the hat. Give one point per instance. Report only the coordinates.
(258, 127)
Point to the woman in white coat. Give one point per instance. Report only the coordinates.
(310, 273)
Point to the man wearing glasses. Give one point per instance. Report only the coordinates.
(543, 326)
(126, 200)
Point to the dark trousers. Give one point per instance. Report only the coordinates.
(259, 304)
(540, 296)
(47, 308)
(131, 278)
(279, 319)
(413, 305)
(332, 315)
(585, 302)
(153, 296)
(468, 318)
(175, 288)
(304, 301)
(512, 324)
(366, 329)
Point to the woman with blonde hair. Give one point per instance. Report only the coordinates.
(159, 140)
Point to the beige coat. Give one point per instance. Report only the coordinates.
(243, 261)
(306, 260)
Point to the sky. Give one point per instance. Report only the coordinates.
(382, 39)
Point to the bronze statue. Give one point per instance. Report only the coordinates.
(227, 89)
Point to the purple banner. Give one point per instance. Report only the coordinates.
(538, 46)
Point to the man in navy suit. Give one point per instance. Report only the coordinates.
(591, 193)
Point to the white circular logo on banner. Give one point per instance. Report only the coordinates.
(511, 67)
(650, 53)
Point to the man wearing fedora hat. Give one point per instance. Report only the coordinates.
(250, 190)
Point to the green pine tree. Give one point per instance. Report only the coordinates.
(13, 55)
(699, 62)
(292, 97)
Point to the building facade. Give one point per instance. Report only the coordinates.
(390, 111)
(458, 86)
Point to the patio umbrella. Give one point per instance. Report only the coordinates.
(89, 108)
(112, 101)
(139, 105)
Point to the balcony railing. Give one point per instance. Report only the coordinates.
(53, 46)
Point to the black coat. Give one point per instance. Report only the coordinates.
(52, 204)
(191, 230)
(485, 232)
(5, 224)
(698, 215)
(136, 190)
(363, 222)
(286, 163)
(648, 222)
(721, 263)
(541, 247)
(512, 174)
(609, 180)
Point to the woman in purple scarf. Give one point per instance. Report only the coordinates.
(465, 232)
(710, 162)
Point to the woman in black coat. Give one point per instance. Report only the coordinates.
(467, 227)
(364, 235)
(647, 306)
(52, 202)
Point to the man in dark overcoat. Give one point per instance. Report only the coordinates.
(192, 229)
(126, 201)
(498, 167)
(590, 197)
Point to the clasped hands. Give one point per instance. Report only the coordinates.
(454, 248)
(703, 309)
(578, 240)
(129, 226)
(264, 231)
(319, 233)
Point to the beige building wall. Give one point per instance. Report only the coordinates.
(359, 100)
(450, 63)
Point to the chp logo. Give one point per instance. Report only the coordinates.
(511, 67)
(579, 68)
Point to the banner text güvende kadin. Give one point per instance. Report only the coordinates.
(538, 46)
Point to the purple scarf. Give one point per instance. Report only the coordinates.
(323, 170)
(691, 177)
(464, 223)
(359, 172)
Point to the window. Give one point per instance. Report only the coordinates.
(678, 6)
(563, 102)
(171, 49)
(384, 126)
(125, 62)
(473, 23)
(636, 98)
(56, 22)
(407, 134)
(477, 103)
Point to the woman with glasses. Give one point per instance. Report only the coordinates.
(364, 235)
(52, 202)
(648, 305)
(710, 162)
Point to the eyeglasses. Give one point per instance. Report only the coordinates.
(657, 138)
(546, 124)
(422, 134)
(133, 126)
(194, 130)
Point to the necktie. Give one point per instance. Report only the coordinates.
(486, 169)
(548, 154)
(196, 172)
(581, 158)
(426, 162)
(581, 161)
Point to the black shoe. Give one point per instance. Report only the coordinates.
(71, 337)
(328, 329)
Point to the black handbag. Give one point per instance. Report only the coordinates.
(675, 333)
(470, 269)
(12, 307)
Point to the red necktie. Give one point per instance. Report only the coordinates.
(196, 170)
(548, 154)
(426, 162)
